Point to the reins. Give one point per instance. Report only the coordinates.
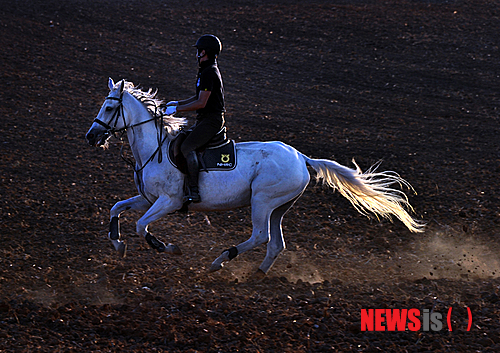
(157, 117)
(159, 125)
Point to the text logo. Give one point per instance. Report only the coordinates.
(406, 319)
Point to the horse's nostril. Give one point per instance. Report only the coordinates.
(90, 136)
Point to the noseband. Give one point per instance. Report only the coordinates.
(116, 115)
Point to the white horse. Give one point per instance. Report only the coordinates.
(269, 177)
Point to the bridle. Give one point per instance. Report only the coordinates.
(116, 116)
(112, 130)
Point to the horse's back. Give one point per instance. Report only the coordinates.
(268, 147)
(279, 168)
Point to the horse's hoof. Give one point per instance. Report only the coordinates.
(174, 249)
(161, 248)
(215, 267)
(122, 250)
(259, 275)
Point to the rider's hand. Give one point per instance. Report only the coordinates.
(174, 103)
(171, 110)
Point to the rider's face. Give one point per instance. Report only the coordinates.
(201, 55)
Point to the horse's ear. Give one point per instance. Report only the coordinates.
(122, 84)
(111, 84)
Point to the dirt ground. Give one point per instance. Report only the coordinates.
(412, 83)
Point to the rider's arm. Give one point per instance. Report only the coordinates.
(194, 103)
(187, 101)
(181, 102)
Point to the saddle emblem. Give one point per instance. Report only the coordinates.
(224, 158)
(225, 161)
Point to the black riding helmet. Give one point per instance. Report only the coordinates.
(210, 43)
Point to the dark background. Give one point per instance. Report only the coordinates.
(412, 83)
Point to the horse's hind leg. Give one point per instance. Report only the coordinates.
(260, 235)
(137, 203)
(276, 243)
(266, 228)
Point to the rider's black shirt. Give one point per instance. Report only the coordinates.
(209, 79)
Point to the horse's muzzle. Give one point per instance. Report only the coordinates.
(96, 139)
(90, 137)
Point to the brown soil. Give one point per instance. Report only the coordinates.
(414, 83)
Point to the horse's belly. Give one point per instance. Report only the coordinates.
(223, 191)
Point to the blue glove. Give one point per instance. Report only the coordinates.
(171, 110)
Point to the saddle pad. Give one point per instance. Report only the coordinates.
(221, 157)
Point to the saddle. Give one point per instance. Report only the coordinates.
(218, 154)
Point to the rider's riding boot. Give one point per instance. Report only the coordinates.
(193, 171)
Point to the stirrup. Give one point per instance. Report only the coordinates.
(192, 196)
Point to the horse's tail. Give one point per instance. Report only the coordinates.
(368, 192)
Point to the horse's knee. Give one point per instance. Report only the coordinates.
(118, 208)
(115, 211)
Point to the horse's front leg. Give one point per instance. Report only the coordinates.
(162, 207)
(137, 203)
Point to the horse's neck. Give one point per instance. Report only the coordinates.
(143, 138)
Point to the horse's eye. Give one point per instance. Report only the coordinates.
(108, 109)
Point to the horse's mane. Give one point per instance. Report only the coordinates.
(153, 105)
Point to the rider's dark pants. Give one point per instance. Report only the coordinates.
(206, 127)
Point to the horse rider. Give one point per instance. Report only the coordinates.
(209, 105)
